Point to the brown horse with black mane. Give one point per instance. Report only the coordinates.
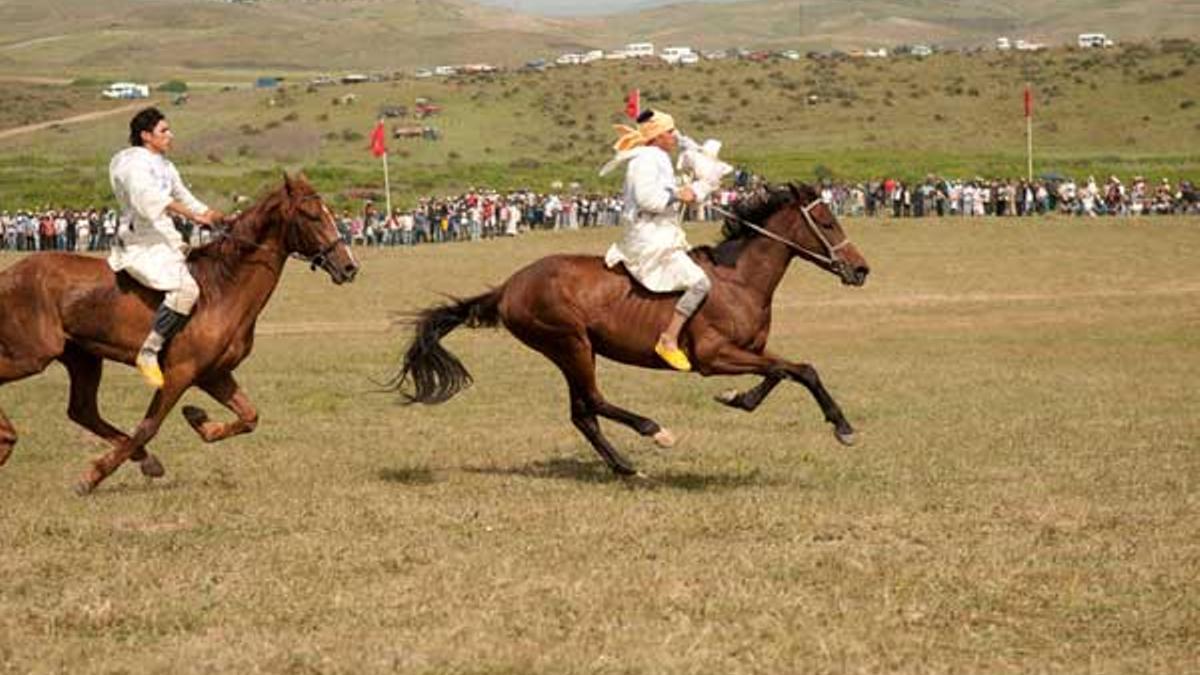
(74, 309)
(571, 307)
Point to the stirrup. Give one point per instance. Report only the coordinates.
(147, 365)
(674, 357)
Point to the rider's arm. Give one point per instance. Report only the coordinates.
(185, 204)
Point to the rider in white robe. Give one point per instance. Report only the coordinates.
(147, 246)
(654, 248)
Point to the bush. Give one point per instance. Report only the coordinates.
(173, 86)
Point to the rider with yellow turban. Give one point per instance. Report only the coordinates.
(653, 247)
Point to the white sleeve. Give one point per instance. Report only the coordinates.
(180, 193)
(650, 192)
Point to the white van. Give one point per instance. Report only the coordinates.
(637, 50)
(1089, 40)
(674, 54)
(126, 90)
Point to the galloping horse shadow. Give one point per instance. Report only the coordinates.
(74, 309)
(571, 308)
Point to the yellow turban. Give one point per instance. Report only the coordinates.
(629, 137)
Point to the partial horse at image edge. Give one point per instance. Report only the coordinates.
(571, 308)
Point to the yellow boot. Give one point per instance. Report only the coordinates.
(674, 357)
(147, 365)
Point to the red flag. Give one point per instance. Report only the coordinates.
(633, 104)
(1028, 101)
(378, 148)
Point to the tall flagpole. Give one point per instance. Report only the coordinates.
(1029, 131)
(387, 187)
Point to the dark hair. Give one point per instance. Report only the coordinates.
(645, 116)
(145, 120)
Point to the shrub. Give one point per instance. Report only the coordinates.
(173, 86)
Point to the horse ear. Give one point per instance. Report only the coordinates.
(795, 191)
(287, 182)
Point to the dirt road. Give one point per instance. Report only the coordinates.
(16, 131)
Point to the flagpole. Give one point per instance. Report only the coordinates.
(387, 187)
(1029, 131)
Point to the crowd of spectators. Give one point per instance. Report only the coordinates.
(936, 196)
(482, 214)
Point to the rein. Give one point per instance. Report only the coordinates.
(315, 261)
(829, 258)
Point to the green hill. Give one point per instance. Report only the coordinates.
(211, 39)
(1127, 110)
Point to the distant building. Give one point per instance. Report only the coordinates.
(1003, 44)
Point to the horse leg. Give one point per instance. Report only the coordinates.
(228, 393)
(751, 398)
(643, 425)
(102, 467)
(8, 438)
(85, 371)
(12, 369)
(573, 356)
(735, 361)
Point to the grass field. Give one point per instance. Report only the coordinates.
(1023, 498)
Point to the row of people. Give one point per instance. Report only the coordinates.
(979, 197)
(482, 214)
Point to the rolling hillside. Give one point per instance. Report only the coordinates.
(1127, 110)
(150, 39)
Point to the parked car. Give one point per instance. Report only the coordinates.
(422, 73)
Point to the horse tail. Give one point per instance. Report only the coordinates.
(436, 374)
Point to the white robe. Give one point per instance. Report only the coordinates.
(653, 246)
(148, 246)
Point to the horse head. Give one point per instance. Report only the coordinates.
(817, 236)
(311, 232)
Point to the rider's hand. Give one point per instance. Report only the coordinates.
(209, 217)
(685, 194)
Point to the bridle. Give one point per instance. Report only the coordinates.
(829, 258)
(318, 260)
(321, 258)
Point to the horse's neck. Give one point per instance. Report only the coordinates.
(255, 275)
(762, 264)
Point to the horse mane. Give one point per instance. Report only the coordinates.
(215, 263)
(756, 208)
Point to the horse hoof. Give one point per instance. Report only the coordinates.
(727, 397)
(5, 452)
(845, 437)
(195, 416)
(664, 438)
(83, 488)
(152, 468)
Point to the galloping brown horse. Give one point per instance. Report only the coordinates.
(74, 309)
(570, 308)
